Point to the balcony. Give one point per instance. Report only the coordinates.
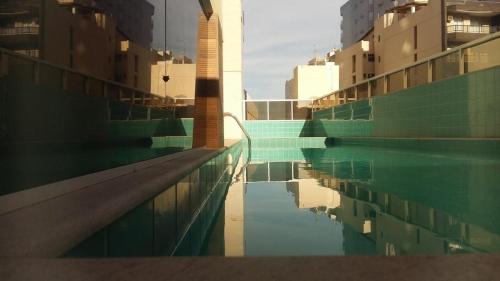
(465, 33)
(23, 30)
(19, 37)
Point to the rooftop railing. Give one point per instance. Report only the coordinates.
(21, 30)
(25, 69)
(477, 55)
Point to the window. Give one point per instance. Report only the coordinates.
(379, 59)
(379, 38)
(354, 63)
(71, 38)
(136, 63)
(371, 57)
(354, 79)
(415, 57)
(135, 81)
(415, 37)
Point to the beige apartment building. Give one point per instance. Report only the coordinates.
(34, 28)
(182, 74)
(356, 63)
(318, 78)
(413, 31)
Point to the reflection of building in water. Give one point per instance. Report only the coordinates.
(400, 227)
(309, 194)
(44, 29)
(182, 73)
(133, 18)
(234, 208)
(394, 225)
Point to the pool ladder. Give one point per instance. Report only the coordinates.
(229, 114)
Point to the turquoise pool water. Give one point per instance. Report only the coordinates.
(344, 200)
(354, 200)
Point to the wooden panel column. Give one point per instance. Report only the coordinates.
(208, 128)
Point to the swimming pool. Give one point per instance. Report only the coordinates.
(355, 200)
(339, 201)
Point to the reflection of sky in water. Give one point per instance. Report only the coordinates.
(182, 26)
(275, 226)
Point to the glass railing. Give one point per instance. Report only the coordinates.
(23, 69)
(278, 109)
(474, 56)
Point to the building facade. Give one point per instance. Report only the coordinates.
(412, 31)
(356, 63)
(132, 18)
(318, 78)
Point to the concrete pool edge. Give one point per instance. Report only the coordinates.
(461, 267)
(40, 229)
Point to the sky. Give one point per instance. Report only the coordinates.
(280, 34)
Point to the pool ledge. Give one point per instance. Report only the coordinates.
(45, 222)
(462, 267)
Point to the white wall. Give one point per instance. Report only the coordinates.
(314, 81)
(231, 13)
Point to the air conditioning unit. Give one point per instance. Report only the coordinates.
(450, 18)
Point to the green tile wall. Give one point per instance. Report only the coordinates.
(279, 129)
(172, 141)
(303, 142)
(461, 107)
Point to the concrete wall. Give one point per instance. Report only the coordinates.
(232, 34)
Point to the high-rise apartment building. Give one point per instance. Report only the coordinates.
(358, 17)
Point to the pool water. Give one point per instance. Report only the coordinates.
(354, 200)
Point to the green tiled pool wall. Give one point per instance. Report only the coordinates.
(483, 147)
(461, 107)
(304, 142)
(172, 141)
(279, 129)
(151, 128)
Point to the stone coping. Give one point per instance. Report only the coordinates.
(417, 268)
(45, 222)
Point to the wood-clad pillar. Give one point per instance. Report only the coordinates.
(208, 128)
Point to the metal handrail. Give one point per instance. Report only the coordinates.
(249, 158)
(427, 60)
(461, 28)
